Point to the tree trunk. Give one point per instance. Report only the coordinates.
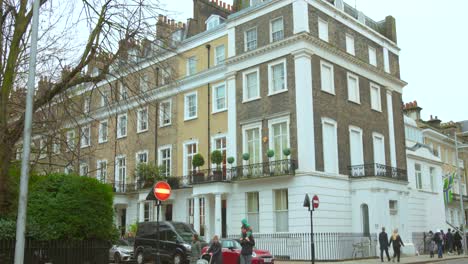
(5, 192)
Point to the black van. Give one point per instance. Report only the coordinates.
(174, 246)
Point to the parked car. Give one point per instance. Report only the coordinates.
(231, 253)
(174, 246)
(122, 251)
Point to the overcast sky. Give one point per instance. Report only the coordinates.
(433, 37)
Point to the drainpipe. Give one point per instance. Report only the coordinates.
(156, 121)
(208, 47)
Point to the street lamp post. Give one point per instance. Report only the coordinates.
(461, 190)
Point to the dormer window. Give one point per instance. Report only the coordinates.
(255, 2)
(213, 21)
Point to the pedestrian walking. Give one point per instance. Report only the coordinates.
(449, 237)
(444, 241)
(431, 244)
(196, 249)
(247, 242)
(383, 241)
(457, 238)
(397, 244)
(438, 239)
(216, 251)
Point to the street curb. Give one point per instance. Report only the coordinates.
(437, 260)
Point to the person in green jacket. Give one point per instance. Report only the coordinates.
(196, 249)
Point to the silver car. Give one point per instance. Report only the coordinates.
(122, 251)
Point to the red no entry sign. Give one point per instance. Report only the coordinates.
(315, 201)
(162, 191)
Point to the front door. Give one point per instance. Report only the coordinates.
(168, 212)
(123, 221)
(223, 218)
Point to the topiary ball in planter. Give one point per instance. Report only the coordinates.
(287, 152)
(198, 160)
(246, 156)
(270, 153)
(216, 157)
(230, 160)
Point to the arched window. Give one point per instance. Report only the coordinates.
(365, 219)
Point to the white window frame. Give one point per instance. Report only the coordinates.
(86, 105)
(71, 140)
(378, 135)
(215, 99)
(358, 90)
(377, 107)
(68, 169)
(56, 146)
(139, 119)
(119, 135)
(418, 176)
(99, 176)
(329, 121)
(271, 29)
(246, 41)
(189, 68)
(42, 148)
(244, 85)
(161, 161)
(161, 113)
(120, 184)
(256, 125)
(84, 144)
(100, 131)
(279, 120)
(123, 88)
(186, 110)
(350, 47)
(361, 143)
(372, 59)
(323, 25)
(84, 165)
(217, 55)
(185, 156)
(270, 77)
(248, 213)
(212, 22)
(332, 81)
(276, 211)
(137, 161)
(105, 98)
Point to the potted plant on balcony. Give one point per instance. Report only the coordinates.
(246, 170)
(147, 174)
(230, 160)
(287, 152)
(217, 158)
(197, 162)
(270, 154)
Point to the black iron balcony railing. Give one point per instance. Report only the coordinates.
(377, 170)
(124, 187)
(221, 174)
(250, 171)
(265, 169)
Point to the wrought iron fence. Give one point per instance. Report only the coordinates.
(377, 170)
(328, 246)
(123, 187)
(57, 252)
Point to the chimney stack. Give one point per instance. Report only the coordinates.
(412, 110)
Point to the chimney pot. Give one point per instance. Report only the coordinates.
(224, 5)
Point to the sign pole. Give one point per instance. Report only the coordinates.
(158, 205)
(312, 235)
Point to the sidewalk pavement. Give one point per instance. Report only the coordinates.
(414, 259)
